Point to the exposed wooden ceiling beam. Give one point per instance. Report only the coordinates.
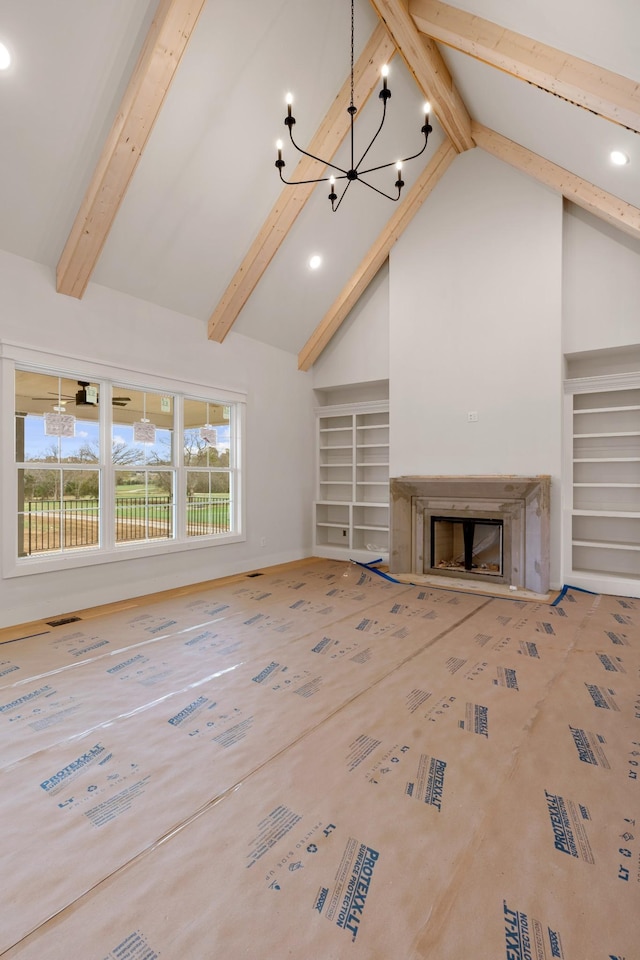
(607, 94)
(425, 62)
(584, 194)
(291, 201)
(163, 48)
(376, 256)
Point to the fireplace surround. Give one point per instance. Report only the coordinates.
(520, 505)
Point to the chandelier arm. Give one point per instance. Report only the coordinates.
(312, 156)
(418, 154)
(392, 163)
(375, 136)
(335, 209)
(382, 166)
(298, 183)
(381, 192)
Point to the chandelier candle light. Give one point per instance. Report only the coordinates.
(355, 172)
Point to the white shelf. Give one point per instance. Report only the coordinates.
(577, 413)
(606, 581)
(363, 430)
(605, 513)
(629, 514)
(619, 433)
(607, 484)
(603, 544)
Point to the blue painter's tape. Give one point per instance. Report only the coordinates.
(568, 586)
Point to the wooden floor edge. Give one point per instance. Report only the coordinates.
(33, 628)
(22, 631)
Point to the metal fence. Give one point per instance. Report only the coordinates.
(206, 516)
(69, 524)
(143, 518)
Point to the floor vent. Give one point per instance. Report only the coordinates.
(62, 621)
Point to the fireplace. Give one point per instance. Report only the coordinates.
(492, 528)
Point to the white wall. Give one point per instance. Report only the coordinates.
(475, 325)
(109, 327)
(359, 352)
(601, 284)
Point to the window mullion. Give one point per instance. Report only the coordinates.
(180, 473)
(107, 471)
(236, 466)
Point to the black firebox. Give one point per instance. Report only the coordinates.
(472, 545)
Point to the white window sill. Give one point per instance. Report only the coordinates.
(89, 556)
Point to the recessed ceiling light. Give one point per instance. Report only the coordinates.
(619, 158)
(315, 261)
(5, 57)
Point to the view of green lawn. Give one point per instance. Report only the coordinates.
(141, 513)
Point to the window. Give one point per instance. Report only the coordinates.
(58, 463)
(150, 470)
(142, 456)
(209, 462)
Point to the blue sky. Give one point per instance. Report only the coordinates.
(36, 443)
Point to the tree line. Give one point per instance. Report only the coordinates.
(45, 484)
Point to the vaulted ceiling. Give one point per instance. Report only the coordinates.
(138, 139)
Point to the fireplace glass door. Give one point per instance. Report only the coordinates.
(467, 545)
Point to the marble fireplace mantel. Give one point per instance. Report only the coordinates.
(522, 503)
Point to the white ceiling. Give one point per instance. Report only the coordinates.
(207, 179)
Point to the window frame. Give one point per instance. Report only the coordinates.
(13, 357)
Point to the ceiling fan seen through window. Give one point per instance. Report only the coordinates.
(86, 396)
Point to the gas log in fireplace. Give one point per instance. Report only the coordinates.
(494, 528)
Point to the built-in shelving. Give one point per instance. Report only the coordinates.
(604, 543)
(351, 510)
(604, 533)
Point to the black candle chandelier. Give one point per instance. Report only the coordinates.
(355, 172)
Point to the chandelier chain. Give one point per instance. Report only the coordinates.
(352, 35)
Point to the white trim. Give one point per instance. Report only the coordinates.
(566, 494)
(619, 586)
(90, 556)
(107, 487)
(179, 475)
(345, 554)
(66, 364)
(8, 472)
